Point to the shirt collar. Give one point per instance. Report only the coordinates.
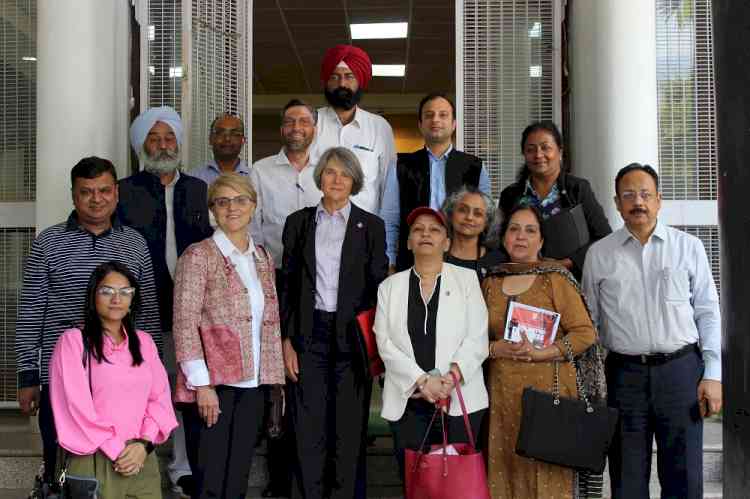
(240, 168)
(442, 157)
(228, 248)
(283, 160)
(109, 346)
(72, 223)
(342, 213)
(660, 232)
(174, 180)
(529, 191)
(359, 116)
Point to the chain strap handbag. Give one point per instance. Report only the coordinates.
(575, 433)
(74, 486)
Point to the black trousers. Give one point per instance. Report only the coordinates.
(192, 423)
(226, 449)
(281, 465)
(410, 430)
(49, 435)
(328, 412)
(656, 401)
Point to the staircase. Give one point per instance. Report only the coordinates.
(20, 457)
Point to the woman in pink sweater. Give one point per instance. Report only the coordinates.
(109, 391)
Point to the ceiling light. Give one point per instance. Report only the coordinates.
(372, 31)
(27, 58)
(388, 69)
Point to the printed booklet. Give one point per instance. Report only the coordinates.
(538, 324)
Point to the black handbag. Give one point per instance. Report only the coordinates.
(74, 486)
(575, 433)
(274, 413)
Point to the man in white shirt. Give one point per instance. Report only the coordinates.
(170, 210)
(652, 296)
(284, 182)
(345, 74)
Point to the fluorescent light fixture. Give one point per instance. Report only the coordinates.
(175, 72)
(535, 71)
(28, 58)
(536, 30)
(151, 32)
(388, 69)
(374, 31)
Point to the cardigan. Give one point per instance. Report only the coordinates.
(210, 310)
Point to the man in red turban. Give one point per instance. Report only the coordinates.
(345, 73)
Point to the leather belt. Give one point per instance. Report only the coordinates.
(655, 359)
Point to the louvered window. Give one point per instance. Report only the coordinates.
(687, 111)
(15, 244)
(507, 74)
(164, 55)
(218, 75)
(17, 100)
(220, 70)
(709, 234)
(18, 20)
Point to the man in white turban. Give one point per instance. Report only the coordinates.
(170, 210)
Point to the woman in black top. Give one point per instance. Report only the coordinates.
(543, 183)
(471, 215)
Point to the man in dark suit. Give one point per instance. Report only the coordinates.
(170, 210)
(428, 176)
(334, 259)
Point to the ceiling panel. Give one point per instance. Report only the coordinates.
(291, 37)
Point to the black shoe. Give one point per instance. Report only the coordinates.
(185, 486)
(271, 491)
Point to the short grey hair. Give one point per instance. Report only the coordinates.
(449, 205)
(348, 161)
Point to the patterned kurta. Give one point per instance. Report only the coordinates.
(510, 475)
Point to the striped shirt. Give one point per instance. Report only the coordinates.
(55, 277)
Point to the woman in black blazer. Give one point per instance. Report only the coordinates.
(543, 183)
(334, 259)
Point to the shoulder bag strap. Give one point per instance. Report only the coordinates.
(465, 414)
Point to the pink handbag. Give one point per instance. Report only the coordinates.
(444, 476)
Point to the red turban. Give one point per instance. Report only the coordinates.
(354, 57)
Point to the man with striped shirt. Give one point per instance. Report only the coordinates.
(57, 271)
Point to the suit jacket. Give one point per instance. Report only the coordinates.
(413, 170)
(142, 207)
(212, 319)
(462, 338)
(573, 191)
(363, 266)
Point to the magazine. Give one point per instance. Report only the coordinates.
(539, 325)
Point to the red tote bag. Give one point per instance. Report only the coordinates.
(445, 476)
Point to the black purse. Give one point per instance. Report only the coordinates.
(575, 433)
(274, 411)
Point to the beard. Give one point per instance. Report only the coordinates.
(161, 162)
(298, 143)
(343, 98)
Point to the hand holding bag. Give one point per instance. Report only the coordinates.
(575, 433)
(443, 476)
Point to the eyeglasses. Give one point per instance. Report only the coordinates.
(241, 200)
(632, 195)
(110, 292)
(228, 133)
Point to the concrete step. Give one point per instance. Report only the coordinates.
(20, 457)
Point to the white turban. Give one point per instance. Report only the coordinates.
(146, 121)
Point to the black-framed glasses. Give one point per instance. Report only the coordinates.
(228, 133)
(632, 195)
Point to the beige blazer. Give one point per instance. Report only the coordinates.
(462, 338)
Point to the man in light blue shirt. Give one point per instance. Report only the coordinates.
(426, 177)
(652, 296)
(226, 139)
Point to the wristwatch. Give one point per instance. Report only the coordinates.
(146, 443)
